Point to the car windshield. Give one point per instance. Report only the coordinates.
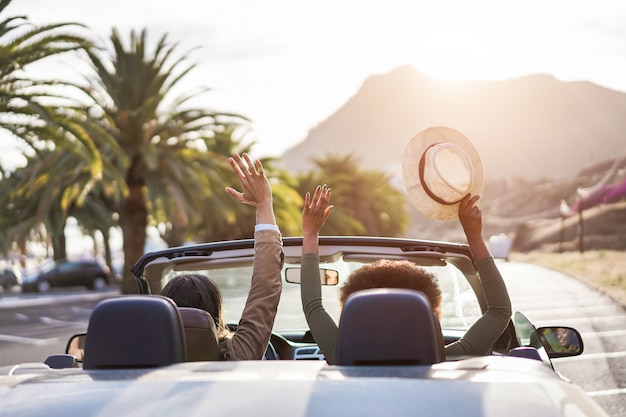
(47, 265)
(460, 307)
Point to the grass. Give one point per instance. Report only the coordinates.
(603, 269)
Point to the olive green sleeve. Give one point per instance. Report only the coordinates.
(321, 324)
(480, 337)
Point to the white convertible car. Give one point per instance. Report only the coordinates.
(139, 360)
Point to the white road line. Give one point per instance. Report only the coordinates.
(570, 320)
(28, 340)
(606, 392)
(606, 333)
(50, 320)
(590, 356)
(575, 311)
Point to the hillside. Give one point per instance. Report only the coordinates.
(531, 127)
(529, 213)
(540, 140)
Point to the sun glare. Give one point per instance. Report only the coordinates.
(458, 49)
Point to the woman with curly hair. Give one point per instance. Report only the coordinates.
(478, 339)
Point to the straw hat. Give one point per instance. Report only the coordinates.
(440, 166)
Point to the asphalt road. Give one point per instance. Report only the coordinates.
(550, 298)
(35, 326)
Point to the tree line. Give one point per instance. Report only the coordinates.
(118, 149)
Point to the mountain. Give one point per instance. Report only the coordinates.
(541, 141)
(531, 127)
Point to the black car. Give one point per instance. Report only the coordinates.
(84, 273)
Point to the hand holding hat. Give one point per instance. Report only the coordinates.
(440, 167)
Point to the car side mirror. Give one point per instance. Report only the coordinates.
(76, 346)
(327, 276)
(560, 342)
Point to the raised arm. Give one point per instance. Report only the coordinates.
(321, 324)
(471, 219)
(257, 191)
(314, 214)
(481, 336)
(253, 333)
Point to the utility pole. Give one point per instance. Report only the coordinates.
(581, 229)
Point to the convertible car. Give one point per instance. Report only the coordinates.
(144, 356)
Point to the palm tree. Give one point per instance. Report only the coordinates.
(172, 163)
(55, 184)
(22, 99)
(40, 113)
(365, 201)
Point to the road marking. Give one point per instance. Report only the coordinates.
(82, 310)
(28, 340)
(590, 356)
(50, 320)
(606, 333)
(21, 317)
(606, 392)
(580, 320)
(574, 311)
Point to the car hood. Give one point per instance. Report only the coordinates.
(489, 386)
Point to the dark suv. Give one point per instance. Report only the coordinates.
(85, 273)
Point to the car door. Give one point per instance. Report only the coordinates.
(65, 275)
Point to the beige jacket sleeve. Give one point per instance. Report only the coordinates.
(253, 333)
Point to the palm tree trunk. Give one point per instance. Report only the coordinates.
(59, 250)
(107, 249)
(133, 221)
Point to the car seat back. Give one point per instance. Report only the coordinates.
(141, 331)
(385, 326)
(200, 335)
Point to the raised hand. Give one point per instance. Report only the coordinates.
(256, 189)
(256, 186)
(316, 209)
(470, 215)
(471, 219)
(314, 215)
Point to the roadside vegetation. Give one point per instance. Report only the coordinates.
(602, 269)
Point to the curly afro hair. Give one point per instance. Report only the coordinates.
(386, 273)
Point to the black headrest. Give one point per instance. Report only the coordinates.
(385, 326)
(140, 331)
(200, 335)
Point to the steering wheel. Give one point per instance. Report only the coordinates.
(270, 352)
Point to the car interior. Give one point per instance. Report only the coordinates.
(185, 334)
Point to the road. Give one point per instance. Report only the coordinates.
(550, 298)
(35, 326)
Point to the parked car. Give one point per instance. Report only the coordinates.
(137, 366)
(83, 273)
(10, 277)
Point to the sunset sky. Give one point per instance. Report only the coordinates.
(288, 65)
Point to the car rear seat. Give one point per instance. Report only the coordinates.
(385, 326)
(142, 331)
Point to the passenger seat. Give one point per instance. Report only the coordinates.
(200, 334)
